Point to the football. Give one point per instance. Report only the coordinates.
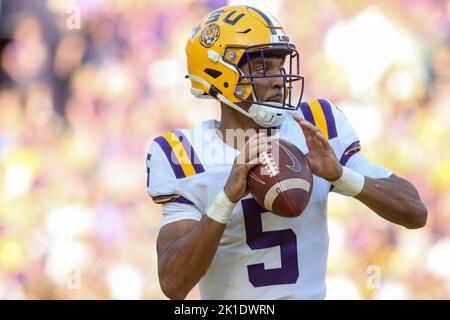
(283, 183)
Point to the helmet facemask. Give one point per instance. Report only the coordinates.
(290, 74)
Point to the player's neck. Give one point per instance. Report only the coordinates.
(235, 128)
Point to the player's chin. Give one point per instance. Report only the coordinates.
(277, 100)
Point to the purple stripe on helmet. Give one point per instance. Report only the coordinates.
(331, 124)
(266, 18)
(347, 153)
(167, 149)
(190, 151)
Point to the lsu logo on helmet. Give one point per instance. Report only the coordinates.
(209, 35)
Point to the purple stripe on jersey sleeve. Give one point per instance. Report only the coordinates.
(190, 151)
(181, 199)
(351, 149)
(164, 196)
(149, 156)
(166, 148)
(331, 124)
(171, 198)
(306, 109)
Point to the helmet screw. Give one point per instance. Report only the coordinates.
(231, 54)
(240, 90)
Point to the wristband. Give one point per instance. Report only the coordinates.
(350, 182)
(221, 208)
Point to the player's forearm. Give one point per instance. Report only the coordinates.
(394, 199)
(186, 260)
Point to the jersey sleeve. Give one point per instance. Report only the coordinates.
(342, 137)
(349, 149)
(364, 166)
(333, 124)
(165, 168)
(173, 211)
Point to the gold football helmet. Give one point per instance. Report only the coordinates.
(226, 39)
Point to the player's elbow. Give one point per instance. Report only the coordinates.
(173, 284)
(418, 215)
(171, 290)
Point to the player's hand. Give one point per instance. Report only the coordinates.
(321, 157)
(236, 186)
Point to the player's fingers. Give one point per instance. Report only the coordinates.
(257, 136)
(261, 142)
(253, 140)
(323, 141)
(310, 158)
(306, 131)
(253, 151)
(307, 127)
(254, 162)
(259, 152)
(257, 144)
(256, 150)
(297, 118)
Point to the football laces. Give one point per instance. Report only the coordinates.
(269, 164)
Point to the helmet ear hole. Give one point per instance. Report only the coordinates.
(212, 72)
(225, 84)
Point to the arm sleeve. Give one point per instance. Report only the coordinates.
(362, 165)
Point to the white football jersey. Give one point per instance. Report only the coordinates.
(261, 255)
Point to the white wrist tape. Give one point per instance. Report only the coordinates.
(221, 208)
(350, 183)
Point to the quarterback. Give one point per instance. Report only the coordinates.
(213, 232)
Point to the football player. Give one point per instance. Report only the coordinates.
(213, 231)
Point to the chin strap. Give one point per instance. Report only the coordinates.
(266, 116)
(263, 115)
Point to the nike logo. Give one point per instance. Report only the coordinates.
(295, 163)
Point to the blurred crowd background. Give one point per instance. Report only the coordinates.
(86, 85)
